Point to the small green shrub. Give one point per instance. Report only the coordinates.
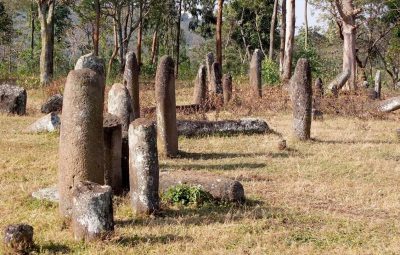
(186, 195)
(270, 72)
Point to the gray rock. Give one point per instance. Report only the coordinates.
(226, 127)
(47, 194)
(12, 99)
(49, 123)
(92, 62)
(18, 239)
(53, 104)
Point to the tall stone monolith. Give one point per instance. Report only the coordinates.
(255, 73)
(378, 84)
(319, 88)
(227, 87)
(131, 81)
(200, 86)
(113, 153)
(143, 167)
(216, 79)
(167, 134)
(120, 105)
(301, 96)
(81, 156)
(209, 62)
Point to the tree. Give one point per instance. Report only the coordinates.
(218, 37)
(348, 15)
(289, 41)
(46, 16)
(6, 25)
(272, 30)
(282, 36)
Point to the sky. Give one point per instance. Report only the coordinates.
(313, 15)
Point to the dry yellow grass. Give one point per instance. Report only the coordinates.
(336, 194)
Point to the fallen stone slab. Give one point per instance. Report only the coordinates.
(12, 99)
(183, 109)
(191, 128)
(47, 194)
(53, 104)
(49, 123)
(390, 105)
(220, 188)
(339, 82)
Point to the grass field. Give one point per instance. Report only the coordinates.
(337, 194)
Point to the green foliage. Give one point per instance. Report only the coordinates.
(6, 25)
(186, 195)
(270, 72)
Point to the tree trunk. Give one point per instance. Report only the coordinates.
(306, 24)
(219, 32)
(348, 15)
(115, 51)
(289, 44)
(178, 38)
(282, 37)
(272, 31)
(154, 46)
(32, 30)
(96, 32)
(46, 16)
(140, 35)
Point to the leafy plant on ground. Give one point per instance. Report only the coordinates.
(187, 195)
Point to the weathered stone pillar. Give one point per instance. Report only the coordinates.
(227, 87)
(255, 73)
(92, 62)
(92, 212)
(378, 84)
(18, 239)
(120, 105)
(131, 81)
(200, 86)
(216, 79)
(319, 88)
(301, 95)
(167, 133)
(209, 62)
(143, 167)
(81, 156)
(113, 153)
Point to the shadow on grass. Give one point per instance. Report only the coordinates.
(215, 167)
(353, 141)
(203, 215)
(53, 248)
(151, 239)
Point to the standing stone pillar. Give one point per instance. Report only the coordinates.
(255, 73)
(143, 167)
(378, 84)
(200, 86)
(113, 153)
(131, 81)
(167, 133)
(81, 156)
(120, 104)
(92, 212)
(216, 79)
(319, 88)
(301, 95)
(227, 87)
(209, 62)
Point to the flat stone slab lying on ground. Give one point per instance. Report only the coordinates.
(220, 188)
(47, 194)
(12, 99)
(390, 105)
(49, 123)
(191, 128)
(53, 104)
